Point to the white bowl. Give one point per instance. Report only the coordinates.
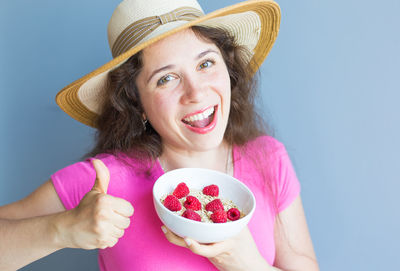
(197, 178)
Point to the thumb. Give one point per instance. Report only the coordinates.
(102, 176)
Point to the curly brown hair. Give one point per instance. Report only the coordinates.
(120, 125)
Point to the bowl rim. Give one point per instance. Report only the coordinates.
(231, 223)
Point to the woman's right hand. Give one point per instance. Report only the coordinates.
(99, 220)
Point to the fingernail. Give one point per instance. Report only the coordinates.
(188, 241)
(164, 229)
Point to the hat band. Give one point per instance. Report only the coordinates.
(136, 31)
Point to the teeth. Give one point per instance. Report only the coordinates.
(200, 116)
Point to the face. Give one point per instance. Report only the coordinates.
(185, 91)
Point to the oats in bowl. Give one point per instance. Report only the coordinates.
(204, 202)
(187, 224)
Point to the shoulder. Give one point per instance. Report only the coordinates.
(264, 145)
(112, 162)
(84, 167)
(118, 164)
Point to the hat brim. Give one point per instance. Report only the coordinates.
(75, 103)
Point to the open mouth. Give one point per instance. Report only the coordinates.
(201, 119)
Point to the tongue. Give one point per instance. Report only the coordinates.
(201, 123)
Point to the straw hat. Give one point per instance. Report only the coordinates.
(136, 24)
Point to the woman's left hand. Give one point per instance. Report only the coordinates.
(237, 253)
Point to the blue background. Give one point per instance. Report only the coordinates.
(329, 90)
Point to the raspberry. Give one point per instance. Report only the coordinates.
(233, 214)
(190, 214)
(214, 205)
(172, 203)
(181, 191)
(192, 203)
(219, 216)
(211, 190)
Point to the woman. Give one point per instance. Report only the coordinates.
(178, 93)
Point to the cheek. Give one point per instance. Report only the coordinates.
(159, 106)
(224, 86)
(225, 92)
(222, 82)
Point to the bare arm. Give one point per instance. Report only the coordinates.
(27, 230)
(43, 201)
(294, 249)
(39, 225)
(26, 240)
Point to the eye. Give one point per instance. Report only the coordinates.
(206, 64)
(165, 79)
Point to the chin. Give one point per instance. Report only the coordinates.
(208, 142)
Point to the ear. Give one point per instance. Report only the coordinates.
(144, 116)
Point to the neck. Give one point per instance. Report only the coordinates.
(217, 159)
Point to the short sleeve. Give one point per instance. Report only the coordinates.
(73, 182)
(288, 186)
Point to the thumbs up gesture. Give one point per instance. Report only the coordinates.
(100, 219)
(102, 177)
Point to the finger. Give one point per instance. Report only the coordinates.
(117, 233)
(173, 238)
(110, 243)
(120, 222)
(102, 176)
(122, 207)
(208, 250)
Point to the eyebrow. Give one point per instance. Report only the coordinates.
(172, 66)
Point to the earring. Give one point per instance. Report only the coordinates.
(144, 122)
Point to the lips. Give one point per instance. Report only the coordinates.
(202, 121)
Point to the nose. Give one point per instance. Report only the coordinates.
(194, 90)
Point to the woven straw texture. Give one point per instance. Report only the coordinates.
(81, 98)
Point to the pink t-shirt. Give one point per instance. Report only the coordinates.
(144, 246)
